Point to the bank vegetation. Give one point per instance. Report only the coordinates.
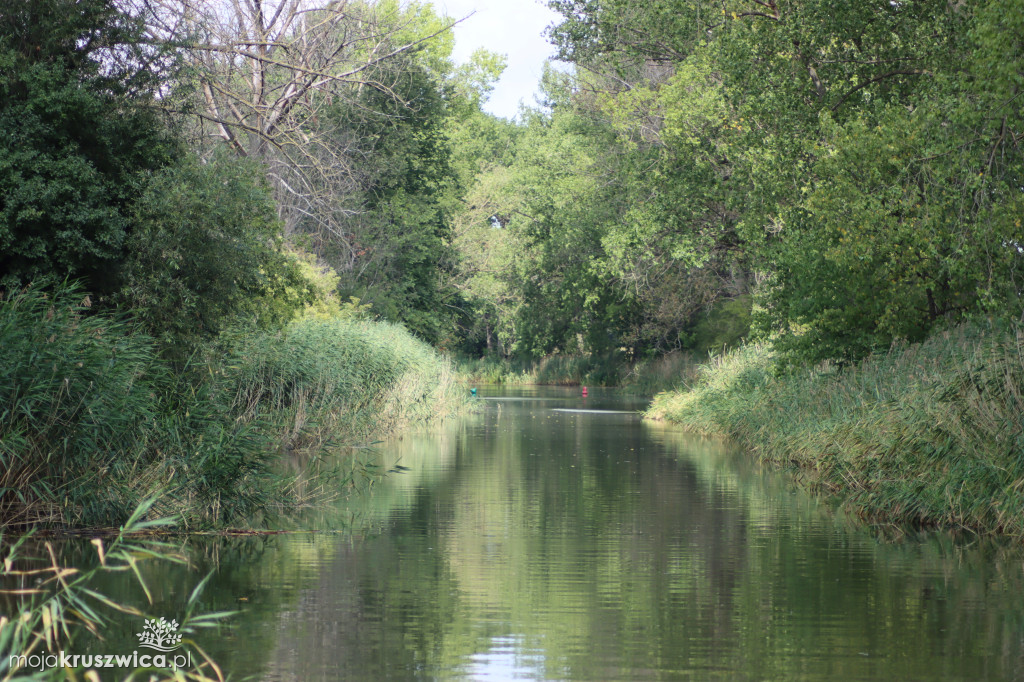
(927, 434)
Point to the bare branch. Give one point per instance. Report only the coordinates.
(268, 73)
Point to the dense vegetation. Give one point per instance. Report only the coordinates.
(850, 174)
(831, 182)
(208, 201)
(924, 434)
(171, 331)
(95, 422)
(233, 235)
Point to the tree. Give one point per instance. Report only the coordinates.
(268, 72)
(484, 148)
(861, 162)
(400, 244)
(80, 138)
(207, 252)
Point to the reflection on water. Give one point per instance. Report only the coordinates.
(530, 543)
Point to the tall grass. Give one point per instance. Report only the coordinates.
(661, 373)
(76, 395)
(92, 421)
(320, 380)
(928, 434)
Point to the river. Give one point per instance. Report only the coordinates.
(551, 537)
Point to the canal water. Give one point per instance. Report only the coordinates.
(551, 537)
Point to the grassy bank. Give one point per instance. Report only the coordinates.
(928, 434)
(92, 421)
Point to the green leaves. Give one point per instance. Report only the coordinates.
(207, 253)
(77, 141)
(861, 161)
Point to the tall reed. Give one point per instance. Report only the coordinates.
(929, 434)
(48, 605)
(320, 381)
(92, 421)
(76, 396)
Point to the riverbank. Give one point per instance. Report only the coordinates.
(927, 434)
(94, 421)
(645, 377)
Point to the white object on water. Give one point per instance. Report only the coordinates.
(566, 409)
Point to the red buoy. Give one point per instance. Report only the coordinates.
(584, 391)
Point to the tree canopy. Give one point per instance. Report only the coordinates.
(80, 138)
(839, 177)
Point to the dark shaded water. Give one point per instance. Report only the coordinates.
(538, 541)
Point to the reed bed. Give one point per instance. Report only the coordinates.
(928, 434)
(76, 397)
(321, 380)
(661, 373)
(92, 421)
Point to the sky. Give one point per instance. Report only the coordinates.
(509, 27)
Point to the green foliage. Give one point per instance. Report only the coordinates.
(392, 247)
(555, 370)
(474, 81)
(858, 160)
(925, 434)
(207, 253)
(402, 237)
(484, 148)
(669, 371)
(64, 604)
(92, 422)
(608, 240)
(531, 241)
(319, 380)
(319, 290)
(79, 142)
(725, 326)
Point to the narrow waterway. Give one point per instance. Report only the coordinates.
(550, 537)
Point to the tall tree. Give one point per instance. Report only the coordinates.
(862, 160)
(400, 246)
(268, 71)
(80, 138)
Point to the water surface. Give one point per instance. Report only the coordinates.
(552, 537)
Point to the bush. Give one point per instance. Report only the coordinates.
(206, 254)
(596, 369)
(80, 139)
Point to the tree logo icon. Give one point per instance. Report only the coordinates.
(160, 634)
